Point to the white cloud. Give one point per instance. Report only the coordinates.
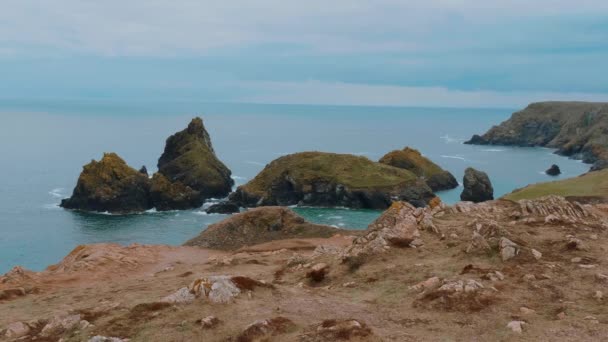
(324, 93)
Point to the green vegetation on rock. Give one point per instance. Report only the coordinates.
(412, 160)
(330, 179)
(190, 159)
(585, 187)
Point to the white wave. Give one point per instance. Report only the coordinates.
(493, 150)
(238, 178)
(336, 217)
(341, 224)
(454, 157)
(151, 211)
(51, 206)
(202, 213)
(57, 192)
(254, 163)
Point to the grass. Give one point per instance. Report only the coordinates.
(592, 184)
(351, 171)
(412, 160)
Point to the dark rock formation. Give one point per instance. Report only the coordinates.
(110, 185)
(553, 170)
(576, 129)
(143, 170)
(223, 208)
(190, 159)
(257, 226)
(412, 160)
(165, 195)
(329, 179)
(477, 186)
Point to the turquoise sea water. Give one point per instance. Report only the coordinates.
(44, 144)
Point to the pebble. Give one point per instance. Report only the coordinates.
(516, 326)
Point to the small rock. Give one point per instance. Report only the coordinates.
(60, 324)
(349, 284)
(601, 277)
(537, 255)
(99, 338)
(210, 322)
(599, 295)
(508, 249)
(181, 296)
(576, 260)
(585, 266)
(516, 326)
(525, 311)
(17, 329)
(317, 272)
(561, 316)
(593, 237)
(427, 284)
(529, 277)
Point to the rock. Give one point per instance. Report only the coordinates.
(525, 311)
(217, 289)
(16, 330)
(143, 170)
(263, 330)
(412, 160)
(338, 330)
(599, 295)
(603, 278)
(574, 128)
(537, 255)
(100, 338)
(60, 324)
(12, 293)
(317, 272)
(110, 185)
(223, 208)
(257, 226)
(478, 245)
(516, 326)
(173, 196)
(561, 316)
(508, 249)
(190, 159)
(553, 170)
(181, 296)
(477, 186)
(575, 244)
(427, 284)
(529, 277)
(209, 322)
(330, 179)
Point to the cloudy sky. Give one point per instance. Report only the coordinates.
(460, 53)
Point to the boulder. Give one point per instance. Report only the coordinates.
(412, 160)
(165, 195)
(317, 272)
(223, 208)
(553, 170)
(190, 159)
(257, 226)
(110, 185)
(477, 186)
(330, 179)
(16, 330)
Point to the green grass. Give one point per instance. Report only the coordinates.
(592, 184)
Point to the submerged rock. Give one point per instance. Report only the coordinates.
(412, 160)
(553, 170)
(257, 226)
(173, 196)
(110, 185)
(330, 179)
(189, 158)
(477, 186)
(223, 208)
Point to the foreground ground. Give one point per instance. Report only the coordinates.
(498, 271)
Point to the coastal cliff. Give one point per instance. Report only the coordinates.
(576, 129)
(330, 179)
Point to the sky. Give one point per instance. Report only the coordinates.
(447, 53)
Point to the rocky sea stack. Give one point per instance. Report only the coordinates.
(553, 170)
(412, 160)
(257, 226)
(477, 186)
(576, 129)
(330, 179)
(110, 185)
(189, 158)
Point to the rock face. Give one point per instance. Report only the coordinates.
(553, 170)
(576, 129)
(257, 226)
(173, 196)
(329, 179)
(190, 159)
(477, 186)
(412, 160)
(110, 185)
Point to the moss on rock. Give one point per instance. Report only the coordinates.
(412, 160)
(189, 158)
(330, 179)
(110, 185)
(173, 196)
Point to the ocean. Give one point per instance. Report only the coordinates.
(44, 144)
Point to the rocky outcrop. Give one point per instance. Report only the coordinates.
(257, 226)
(553, 170)
(165, 195)
(189, 158)
(477, 186)
(110, 185)
(412, 160)
(575, 129)
(330, 179)
(223, 208)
